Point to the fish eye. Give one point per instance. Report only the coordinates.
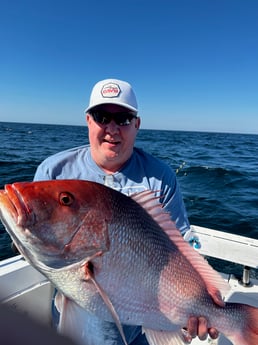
(66, 199)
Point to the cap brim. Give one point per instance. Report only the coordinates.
(117, 103)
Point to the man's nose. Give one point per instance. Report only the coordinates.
(112, 127)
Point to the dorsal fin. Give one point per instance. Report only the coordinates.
(215, 284)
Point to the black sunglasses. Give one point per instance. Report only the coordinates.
(121, 119)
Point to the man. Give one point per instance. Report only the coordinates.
(112, 159)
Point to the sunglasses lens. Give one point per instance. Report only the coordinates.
(102, 118)
(121, 119)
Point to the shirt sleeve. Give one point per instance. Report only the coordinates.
(66, 164)
(42, 173)
(159, 177)
(174, 204)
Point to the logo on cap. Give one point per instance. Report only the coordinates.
(110, 90)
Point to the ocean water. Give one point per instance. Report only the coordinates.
(217, 172)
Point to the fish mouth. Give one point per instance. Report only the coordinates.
(15, 205)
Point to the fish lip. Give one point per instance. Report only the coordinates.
(20, 211)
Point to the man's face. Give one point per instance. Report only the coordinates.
(112, 144)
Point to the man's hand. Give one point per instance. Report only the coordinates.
(199, 327)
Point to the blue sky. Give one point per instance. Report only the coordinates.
(193, 63)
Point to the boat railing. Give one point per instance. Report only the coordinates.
(226, 246)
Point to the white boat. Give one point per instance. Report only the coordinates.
(26, 290)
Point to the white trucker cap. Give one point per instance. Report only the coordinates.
(113, 91)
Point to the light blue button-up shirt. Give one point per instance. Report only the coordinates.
(141, 172)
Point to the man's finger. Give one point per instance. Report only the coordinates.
(192, 326)
(202, 328)
(213, 332)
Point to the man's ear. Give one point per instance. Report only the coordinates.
(87, 117)
(138, 123)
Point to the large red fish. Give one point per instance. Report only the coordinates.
(120, 258)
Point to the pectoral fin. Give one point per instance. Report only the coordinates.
(106, 299)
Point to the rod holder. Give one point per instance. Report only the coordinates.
(245, 281)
